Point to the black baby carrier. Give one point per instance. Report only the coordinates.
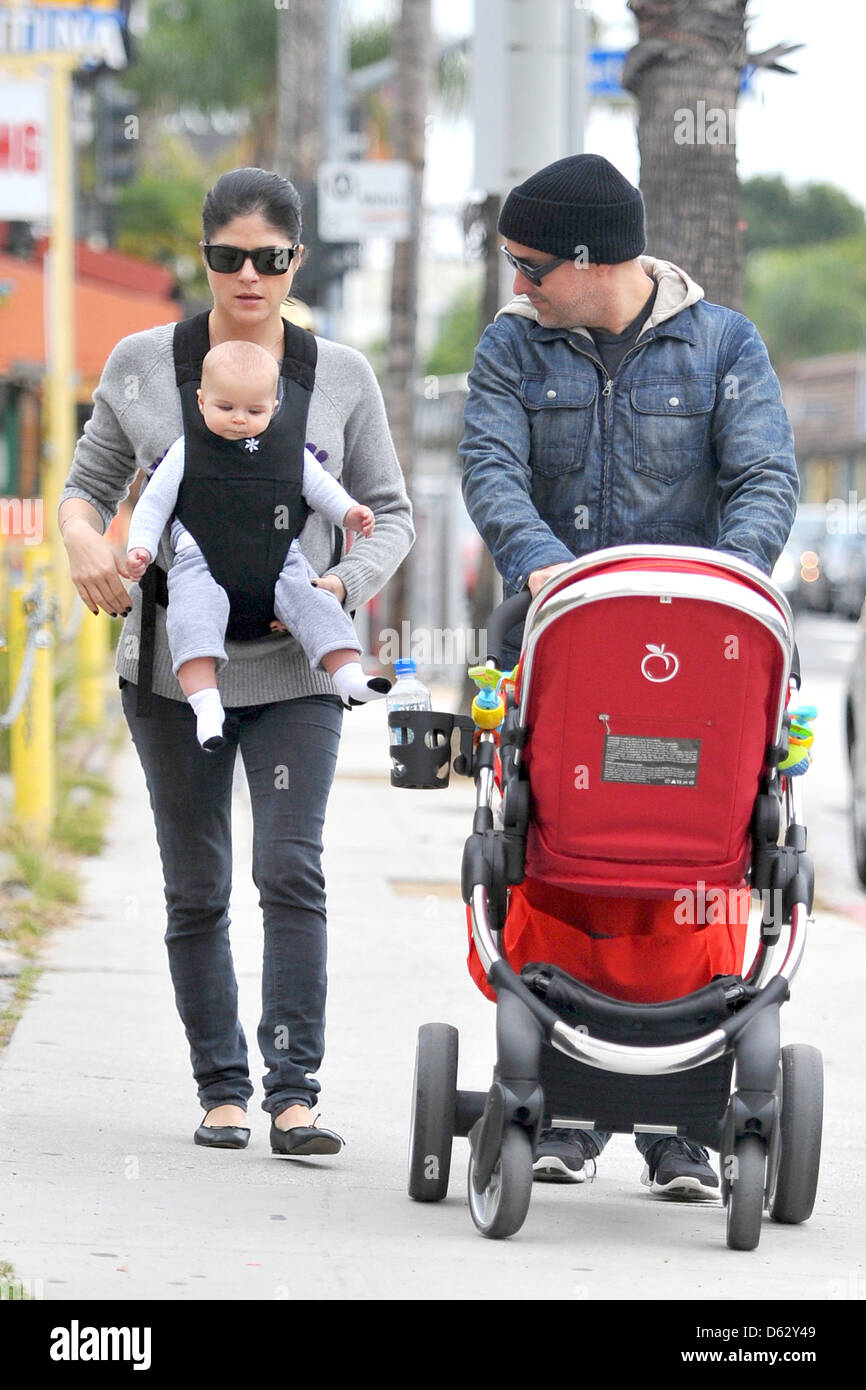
(240, 500)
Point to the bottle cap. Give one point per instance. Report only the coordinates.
(405, 667)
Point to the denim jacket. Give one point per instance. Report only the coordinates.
(689, 444)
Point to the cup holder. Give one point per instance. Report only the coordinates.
(421, 747)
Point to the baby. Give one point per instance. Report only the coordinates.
(237, 398)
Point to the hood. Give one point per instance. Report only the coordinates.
(676, 291)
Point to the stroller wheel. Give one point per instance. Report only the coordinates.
(434, 1100)
(746, 1192)
(501, 1208)
(795, 1180)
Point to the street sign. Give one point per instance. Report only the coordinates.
(604, 77)
(25, 192)
(94, 31)
(364, 198)
(605, 72)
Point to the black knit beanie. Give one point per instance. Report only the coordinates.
(579, 206)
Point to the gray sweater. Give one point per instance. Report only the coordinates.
(137, 416)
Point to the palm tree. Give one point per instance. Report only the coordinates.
(686, 70)
(413, 51)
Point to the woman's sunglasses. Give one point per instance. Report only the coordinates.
(268, 260)
(533, 273)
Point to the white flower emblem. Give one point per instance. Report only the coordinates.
(251, 445)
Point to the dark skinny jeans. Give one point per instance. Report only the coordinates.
(289, 750)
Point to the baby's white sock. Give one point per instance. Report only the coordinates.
(353, 683)
(209, 717)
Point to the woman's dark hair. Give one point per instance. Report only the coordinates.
(243, 191)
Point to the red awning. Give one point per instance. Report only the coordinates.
(104, 313)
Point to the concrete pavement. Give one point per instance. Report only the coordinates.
(104, 1196)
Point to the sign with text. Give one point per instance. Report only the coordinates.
(24, 183)
(364, 198)
(93, 31)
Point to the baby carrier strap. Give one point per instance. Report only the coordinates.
(245, 528)
(192, 344)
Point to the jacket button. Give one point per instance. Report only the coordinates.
(674, 400)
(551, 395)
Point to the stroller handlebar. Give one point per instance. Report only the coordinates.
(507, 615)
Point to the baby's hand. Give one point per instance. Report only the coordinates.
(360, 519)
(137, 562)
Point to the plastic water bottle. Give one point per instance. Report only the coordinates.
(407, 692)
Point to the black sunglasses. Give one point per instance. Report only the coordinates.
(268, 260)
(533, 273)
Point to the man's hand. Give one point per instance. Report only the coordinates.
(360, 519)
(137, 562)
(539, 578)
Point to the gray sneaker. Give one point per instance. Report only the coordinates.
(678, 1168)
(564, 1155)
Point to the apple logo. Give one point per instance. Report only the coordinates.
(659, 665)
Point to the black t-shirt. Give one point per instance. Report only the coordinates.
(612, 347)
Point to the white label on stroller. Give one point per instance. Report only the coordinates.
(660, 762)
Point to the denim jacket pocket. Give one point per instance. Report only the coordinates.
(559, 408)
(672, 425)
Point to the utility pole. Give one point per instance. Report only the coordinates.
(520, 46)
(530, 87)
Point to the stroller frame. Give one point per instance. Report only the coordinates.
(768, 1128)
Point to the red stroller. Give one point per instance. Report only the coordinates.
(630, 803)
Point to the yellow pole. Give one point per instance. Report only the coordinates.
(60, 347)
(91, 652)
(32, 745)
(59, 432)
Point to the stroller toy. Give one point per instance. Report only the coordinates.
(646, 758)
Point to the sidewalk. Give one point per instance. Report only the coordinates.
(102, 1193)
(104, 1196)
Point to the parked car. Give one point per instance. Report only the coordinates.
(855, 737)
(799, 570)
(845, 568)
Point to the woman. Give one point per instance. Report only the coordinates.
(283, 717)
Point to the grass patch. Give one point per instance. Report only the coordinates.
(39, 880)
(10, 1015)
(83, 799)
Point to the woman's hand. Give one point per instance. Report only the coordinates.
(333, 583)
(95, 570)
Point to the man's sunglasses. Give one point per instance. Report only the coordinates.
(533, 273)
(268, 260)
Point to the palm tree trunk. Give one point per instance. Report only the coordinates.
(413, 51)
(685, 72)
(487, 586)
(300, 79)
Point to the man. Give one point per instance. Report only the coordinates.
(609, 404)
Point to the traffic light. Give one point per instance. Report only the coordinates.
(117, 135)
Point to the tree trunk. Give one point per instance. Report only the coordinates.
(300, 79)
(685, 72)
(487, 587)
(413, 52)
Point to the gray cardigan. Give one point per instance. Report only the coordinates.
(137, 416)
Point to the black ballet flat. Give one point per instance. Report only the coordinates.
(301, 1140)
(221, 1137)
